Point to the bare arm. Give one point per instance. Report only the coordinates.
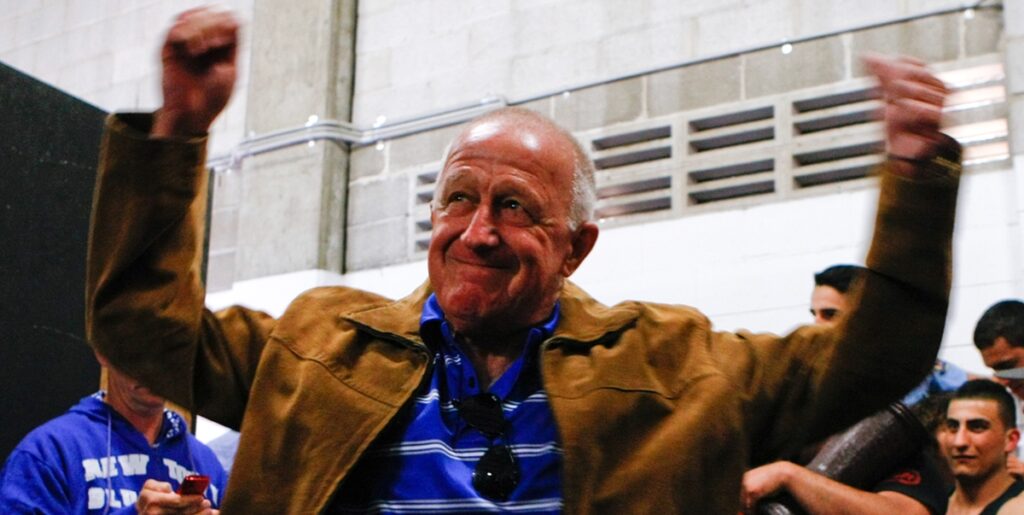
(819, 495)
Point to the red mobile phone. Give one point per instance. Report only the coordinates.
(194, 485)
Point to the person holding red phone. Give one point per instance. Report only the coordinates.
(118, 451)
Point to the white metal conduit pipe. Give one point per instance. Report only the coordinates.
(344, 132)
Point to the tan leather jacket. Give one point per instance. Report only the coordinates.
(657, 413)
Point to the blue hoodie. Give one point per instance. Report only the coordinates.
(61, 466)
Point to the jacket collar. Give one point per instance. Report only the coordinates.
(583, 320)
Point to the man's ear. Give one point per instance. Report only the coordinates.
(1012, 437)
(103, 361)
(583, 241)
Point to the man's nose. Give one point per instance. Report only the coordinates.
(482, 230)
(960, 439)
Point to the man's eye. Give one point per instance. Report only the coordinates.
(977, 426)
(829, 313)
(515, 213)
(457, 197)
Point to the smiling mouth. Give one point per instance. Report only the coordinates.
(478, 263)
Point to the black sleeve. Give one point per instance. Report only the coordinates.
(922, 478)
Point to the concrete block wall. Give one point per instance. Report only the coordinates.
(106, 52)
(415, 57)
(292, 206)
(622, 105)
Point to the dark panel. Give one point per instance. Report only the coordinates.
(49, 143)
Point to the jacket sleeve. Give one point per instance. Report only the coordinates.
(816, 381)
(144, 297)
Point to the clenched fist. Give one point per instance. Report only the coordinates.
(199, 71)
(913, 98)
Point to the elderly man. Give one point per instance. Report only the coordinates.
(497, 385)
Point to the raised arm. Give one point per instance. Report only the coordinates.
(890, 339)
(817, 380)
(144, 297)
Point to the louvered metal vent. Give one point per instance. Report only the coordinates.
(632, 147)
(731, 119)
(629, 138)
(833, 136)
(637, 193)
(833, 111)
(425, 183)
(639, 206)
(837, 153)
(731, 192)
(630, 188)
(768, 147)
(424, 186)
(732, 129)
(631, 178)
(836, 174)
(633, 157)
(732, 170)
(754, 175)
(835, 99)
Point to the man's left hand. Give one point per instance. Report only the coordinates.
(913, 98)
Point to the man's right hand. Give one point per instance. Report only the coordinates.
(157, 497)
(199, 71)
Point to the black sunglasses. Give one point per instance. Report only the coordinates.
(496, 474)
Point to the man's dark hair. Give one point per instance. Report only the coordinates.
(992, 391)
(1004, 318)
(931, 411)
(838, 276)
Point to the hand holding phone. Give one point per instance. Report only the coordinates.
(194, 484)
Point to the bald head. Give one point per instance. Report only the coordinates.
(584, 189)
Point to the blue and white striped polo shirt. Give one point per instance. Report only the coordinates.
(424, 461)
